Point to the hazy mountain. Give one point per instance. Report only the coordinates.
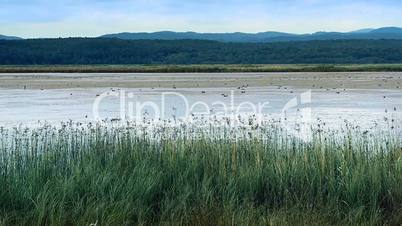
(271, 36)
(387, 30)
(3, 37)
(365, 30)
(225, 37)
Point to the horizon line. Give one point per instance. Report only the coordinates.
(200, 32)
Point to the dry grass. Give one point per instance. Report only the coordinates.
(198, 68)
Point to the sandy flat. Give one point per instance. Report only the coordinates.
(341, 80)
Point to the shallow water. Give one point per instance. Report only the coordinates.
(333, 106)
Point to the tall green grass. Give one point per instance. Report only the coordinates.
(127, 175)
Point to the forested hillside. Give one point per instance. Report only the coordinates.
(116, 51)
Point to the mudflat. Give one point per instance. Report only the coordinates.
(313, 80)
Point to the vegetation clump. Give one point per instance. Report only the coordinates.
(97, 51)
(192, 175)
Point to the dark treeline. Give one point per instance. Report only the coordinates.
(114, 51)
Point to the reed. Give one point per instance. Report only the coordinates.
(143, 174)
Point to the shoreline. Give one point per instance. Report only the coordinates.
(306, 80)
(205, 68)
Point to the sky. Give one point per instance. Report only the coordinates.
(90, 18)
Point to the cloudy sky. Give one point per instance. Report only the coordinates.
(67, 18)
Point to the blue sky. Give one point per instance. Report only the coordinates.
(65, 18)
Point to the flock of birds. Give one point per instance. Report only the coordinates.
(243, 88)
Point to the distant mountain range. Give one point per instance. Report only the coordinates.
(3, 37)
(270, 36)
